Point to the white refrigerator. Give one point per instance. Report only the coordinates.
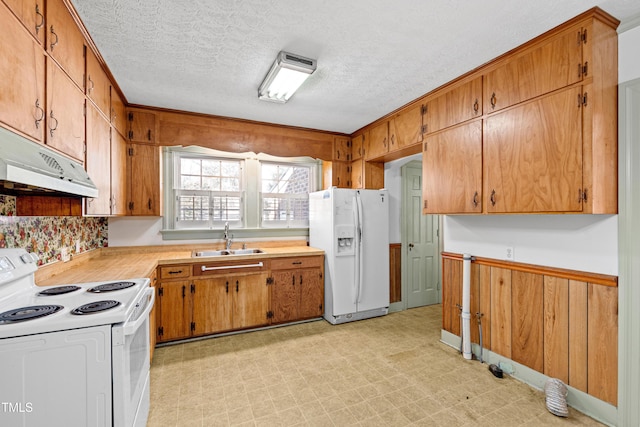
(352, 227)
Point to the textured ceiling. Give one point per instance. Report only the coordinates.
(373, 55)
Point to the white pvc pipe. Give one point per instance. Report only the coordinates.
(466, 306)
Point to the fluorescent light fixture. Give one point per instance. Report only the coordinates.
(286, 75)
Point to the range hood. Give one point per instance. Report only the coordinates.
(28, 167)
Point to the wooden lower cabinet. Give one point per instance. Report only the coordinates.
(562, 323)
(191, 302)
(153, 279)
(297, 291)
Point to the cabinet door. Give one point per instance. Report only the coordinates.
(455, 106)
(118, 115)
(142, 126)
(452, 170)
(357, 146)
(22, 103)
(98, 84)
(533, 156)
(251, 301)
(285, 296)
(143, 175)
(405, 129)
(212, 305)
(118, 173)
(173, 306)
(311, 283)
(98, 163)
(341, 174)
(543, 68)
(65, 113)
(65, 42)
(357, 174)
(342, 149)
(30, 13)
(378, 144)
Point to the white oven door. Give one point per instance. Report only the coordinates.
(131, 366)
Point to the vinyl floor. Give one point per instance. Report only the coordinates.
(387, 371)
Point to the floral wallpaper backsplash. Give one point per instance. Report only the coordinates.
(47, 235)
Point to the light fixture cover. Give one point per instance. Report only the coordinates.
(286, 75)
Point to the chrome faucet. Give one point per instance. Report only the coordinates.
(227, 240)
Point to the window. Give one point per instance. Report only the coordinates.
(285, 194)
(209, 192)
(258, 195)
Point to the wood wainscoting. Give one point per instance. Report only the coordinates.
(395, 280)
(562, 323)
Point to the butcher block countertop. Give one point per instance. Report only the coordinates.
(120, 263)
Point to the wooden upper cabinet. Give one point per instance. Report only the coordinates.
(378, 143)
(342, 148)
(405, 128)
(98, 85)
(533, 156)
(142, 126)
(31, 14)
(118, 174)
(367, 174)
(357, 145)
(455, 106)
(552, 64)
(143, 178)
(65, 113)
(118, 115)
(22, 86)
(98, 163)
(65, 42)
(452, 170)
(336, 174)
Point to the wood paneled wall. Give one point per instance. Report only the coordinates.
(395, 275)
(562, 323)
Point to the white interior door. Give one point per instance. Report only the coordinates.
(420, 243)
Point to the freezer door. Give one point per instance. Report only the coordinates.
(374, 292)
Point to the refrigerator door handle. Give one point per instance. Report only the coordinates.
(360, 247)
(356, 269)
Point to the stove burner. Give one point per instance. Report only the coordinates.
(108, 287)
(58, 290)
(27, 313)
(95, 307)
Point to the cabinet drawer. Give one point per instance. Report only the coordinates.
(298, 262)
(174, 272)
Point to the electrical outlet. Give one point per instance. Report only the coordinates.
(77, 246)
(509, 253)
(64, 254)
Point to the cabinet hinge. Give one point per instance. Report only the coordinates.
(160, 331)
(349, 143)
(130, 151)
(130, 206)
(425, 146)
(425, 205)
(582, 195)
(193, 326)
(130, 134)
(423, 129)
(269, 314)
(585, 68)
(193, 288)
(424, 109)
(583, 37)
(130, 116)
(160, 292)
(584, 99)
(320, 274)
(269, 280)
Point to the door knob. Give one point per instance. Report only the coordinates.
(410, 246)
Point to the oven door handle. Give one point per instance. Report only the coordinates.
(129, 328)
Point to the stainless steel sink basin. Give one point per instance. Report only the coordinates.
(210, 253)
(248, 251)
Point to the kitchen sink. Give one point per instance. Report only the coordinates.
(223, 252)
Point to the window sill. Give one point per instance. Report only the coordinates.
(239, 233)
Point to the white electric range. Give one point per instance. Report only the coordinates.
(72, 355)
